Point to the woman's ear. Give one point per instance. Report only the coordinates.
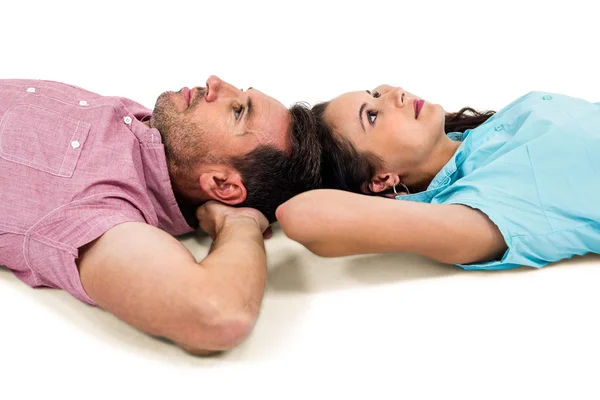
(223, 184)
(383, 182)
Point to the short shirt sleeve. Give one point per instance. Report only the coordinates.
(52, 246)
(532, 169)
(507, 193)
(540, 221)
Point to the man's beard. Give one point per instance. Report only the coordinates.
(183, 139)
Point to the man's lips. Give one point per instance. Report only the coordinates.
(190, 94)
(418, 105)
(187, 95)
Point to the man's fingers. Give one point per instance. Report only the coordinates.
(268, 233)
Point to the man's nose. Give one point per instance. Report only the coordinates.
(213, 86)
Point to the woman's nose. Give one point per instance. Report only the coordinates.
(399, 97)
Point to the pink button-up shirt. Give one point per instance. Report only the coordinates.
(73, 164)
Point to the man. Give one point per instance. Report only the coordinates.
(93, 187)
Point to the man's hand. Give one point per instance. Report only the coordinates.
(214, 216)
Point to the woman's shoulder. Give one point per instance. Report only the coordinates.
(521, 105)
(534, 114)
(545, 101)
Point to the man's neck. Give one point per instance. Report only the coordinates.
(188, 212)
(186, 205)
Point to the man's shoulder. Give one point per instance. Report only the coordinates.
(50, 87)
(83, 220)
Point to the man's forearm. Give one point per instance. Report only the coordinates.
(237, 266)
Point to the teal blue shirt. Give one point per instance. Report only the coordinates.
(534, 169)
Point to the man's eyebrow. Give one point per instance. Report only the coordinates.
(248, 115)
(368, 91)
(249, 108)
(360, 113)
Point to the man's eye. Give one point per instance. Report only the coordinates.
(237, 111)
(376, 95)
(372, 116)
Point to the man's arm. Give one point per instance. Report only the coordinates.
(334, 223)
(150, 280)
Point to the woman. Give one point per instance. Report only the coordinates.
(480, 190)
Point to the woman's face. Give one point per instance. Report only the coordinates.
(397, 126)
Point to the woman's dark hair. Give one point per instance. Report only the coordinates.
(465, 118)
(344, 167)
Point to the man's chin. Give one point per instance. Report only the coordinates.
(163, 113)
(163, 100)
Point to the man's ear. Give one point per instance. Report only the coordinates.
(223, 183)
(383, 182)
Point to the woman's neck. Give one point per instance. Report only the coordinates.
(419, 179)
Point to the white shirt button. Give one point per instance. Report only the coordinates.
(83, 103)
(31, 90)
(75, 144)
(127, 120)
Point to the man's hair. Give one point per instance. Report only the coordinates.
(272, 176)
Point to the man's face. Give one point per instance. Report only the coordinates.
(216, 123)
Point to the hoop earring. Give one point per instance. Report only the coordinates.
(403, 186)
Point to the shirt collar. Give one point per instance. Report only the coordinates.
(156, 173)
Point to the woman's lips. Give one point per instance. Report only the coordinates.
(418, 104)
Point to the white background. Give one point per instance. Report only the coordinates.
(393, 326)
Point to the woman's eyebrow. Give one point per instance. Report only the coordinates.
(360, 113)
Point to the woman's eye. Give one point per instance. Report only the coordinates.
(372, 116)
(237, 111)
(376, 95)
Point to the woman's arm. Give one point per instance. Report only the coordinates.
(334, 223)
